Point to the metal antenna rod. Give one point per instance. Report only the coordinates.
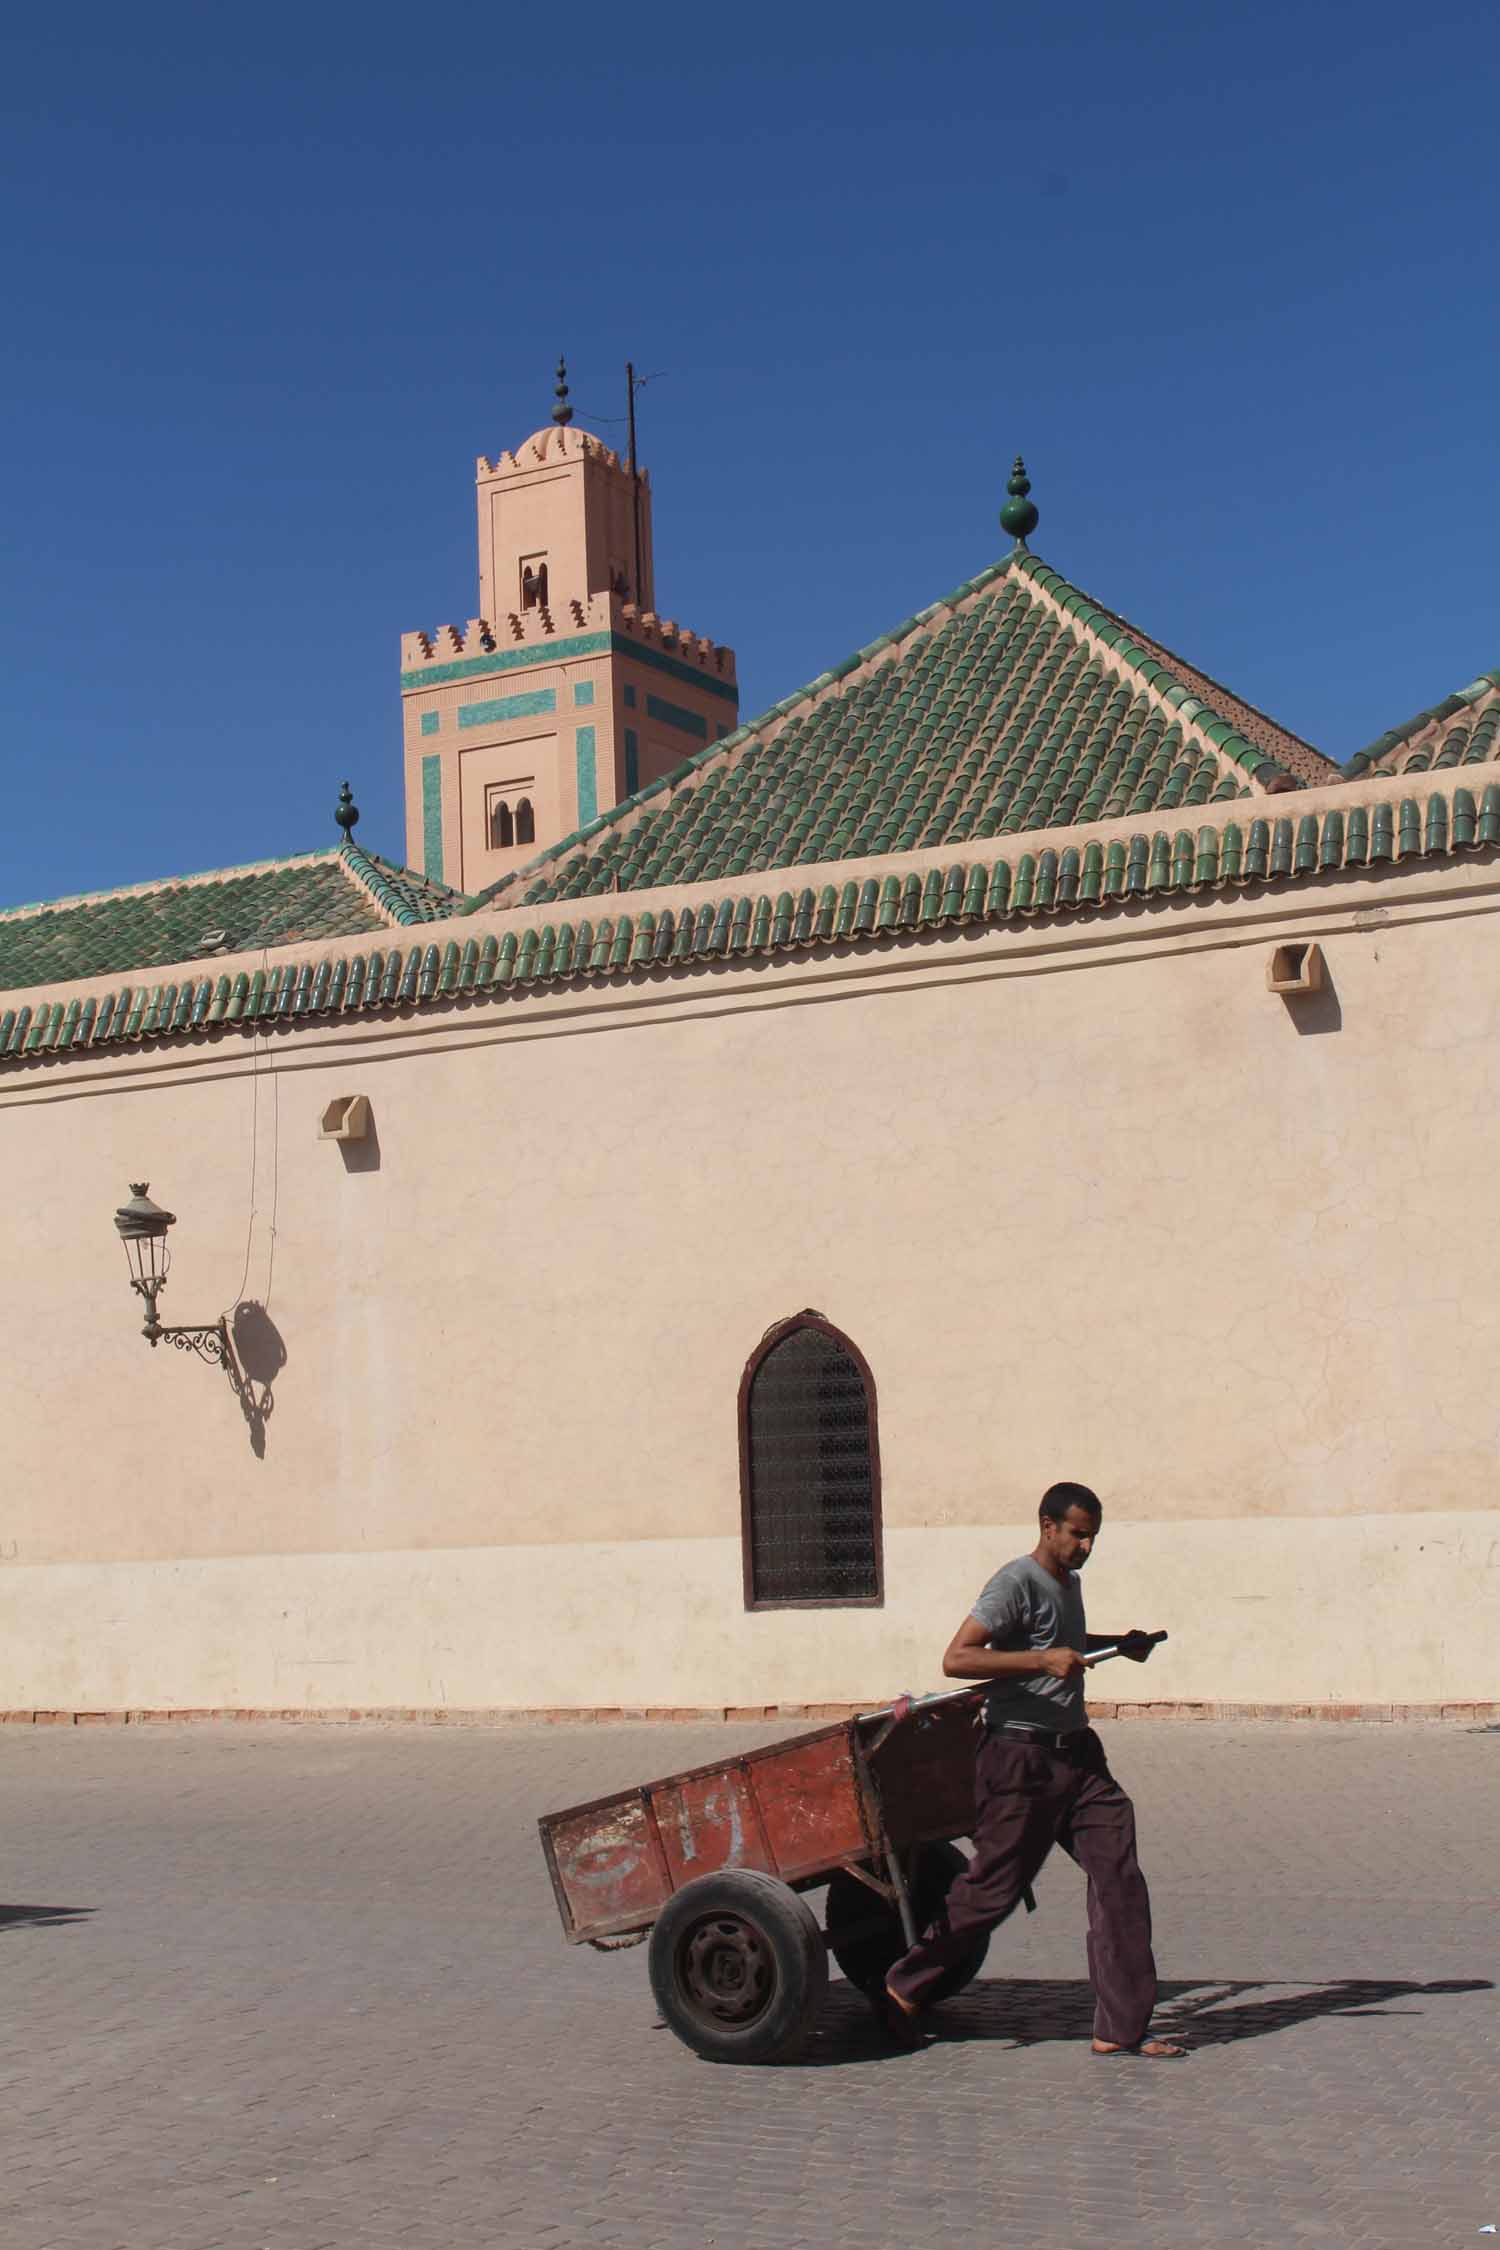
(635, 483)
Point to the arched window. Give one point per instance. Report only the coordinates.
(809, 1470)
(525, 822)
(502, 827)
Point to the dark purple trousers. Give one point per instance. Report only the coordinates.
(1028, 1797)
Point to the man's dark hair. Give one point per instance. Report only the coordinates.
(1059, 1498)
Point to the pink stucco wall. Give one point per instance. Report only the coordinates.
(1090, 1199)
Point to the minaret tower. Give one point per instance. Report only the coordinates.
(568, 693)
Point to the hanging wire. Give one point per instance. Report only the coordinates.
(275, 1178)
(258, 1043)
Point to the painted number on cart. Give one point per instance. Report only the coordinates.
(719, 1805)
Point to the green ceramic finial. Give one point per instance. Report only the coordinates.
(562, 413)
(346, 812)
(1019, 516)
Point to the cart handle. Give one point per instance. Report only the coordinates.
(1116, 1648)
(904, 1705)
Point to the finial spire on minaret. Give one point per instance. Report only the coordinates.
(1018, 516)
(562, 413)
(346, 812)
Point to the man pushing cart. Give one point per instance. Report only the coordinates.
(1041, 1779)
(713, 1865)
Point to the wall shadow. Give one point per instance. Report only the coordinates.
(42, 1917)
(1029, 2011)
(363, 1156)
(259, 1350)
(1313, 1013)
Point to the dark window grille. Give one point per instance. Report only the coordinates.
(810, 1469)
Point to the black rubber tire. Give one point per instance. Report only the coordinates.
(867, 1957)
(738, 1967)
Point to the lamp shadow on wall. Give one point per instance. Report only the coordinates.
(259, 1356)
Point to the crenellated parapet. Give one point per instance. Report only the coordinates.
(560, 623)
(547, 448)
(675, 640)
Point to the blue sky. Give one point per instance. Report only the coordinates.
(1226, 275)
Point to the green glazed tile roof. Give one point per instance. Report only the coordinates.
(342, 892)
(1017, 703)
(1237, 849)
(1462, 730)
(1288, 749)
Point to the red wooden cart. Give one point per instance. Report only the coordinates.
(711, 1864)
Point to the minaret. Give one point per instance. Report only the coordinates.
(568, 693)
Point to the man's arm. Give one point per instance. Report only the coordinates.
(967, 1658)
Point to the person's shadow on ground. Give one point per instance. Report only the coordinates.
(40, 1917)
(1028, 2011)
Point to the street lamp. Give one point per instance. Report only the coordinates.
(142, 1227)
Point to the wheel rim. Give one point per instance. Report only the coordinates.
(725, 1970)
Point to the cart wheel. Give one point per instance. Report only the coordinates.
(738, 1967)
(865, 1935)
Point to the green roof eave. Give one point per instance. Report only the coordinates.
(1078, 874)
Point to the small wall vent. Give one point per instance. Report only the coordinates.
(1295, 968)
(346, 1119)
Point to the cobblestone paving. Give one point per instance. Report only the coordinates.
(304, 1989)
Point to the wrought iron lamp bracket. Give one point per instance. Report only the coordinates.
(210, 1340)
(210, 1343)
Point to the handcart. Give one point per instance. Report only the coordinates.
(712, 1866)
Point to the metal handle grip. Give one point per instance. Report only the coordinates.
(1098, 1655)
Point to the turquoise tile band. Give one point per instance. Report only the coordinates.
(588, 778)
(552, 652)
(529, 705)
(432, 818)
(674, 715)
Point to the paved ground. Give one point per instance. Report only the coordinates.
(281, 1989)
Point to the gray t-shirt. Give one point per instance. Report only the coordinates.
(1024, 1606)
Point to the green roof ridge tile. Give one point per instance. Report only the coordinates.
(1235, 746)
(405, 895)
(1363, 761)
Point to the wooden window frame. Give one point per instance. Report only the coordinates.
(772, 1337)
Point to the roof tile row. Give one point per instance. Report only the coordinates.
(1047, 881)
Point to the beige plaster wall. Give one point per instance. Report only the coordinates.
(1347, 1611)
(1091, 1201)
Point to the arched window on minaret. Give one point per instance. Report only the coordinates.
(502, 826)
(525, 822)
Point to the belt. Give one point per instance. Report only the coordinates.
(1051, 1738)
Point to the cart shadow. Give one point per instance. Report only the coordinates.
(41, 1917)
(1204, 2012)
